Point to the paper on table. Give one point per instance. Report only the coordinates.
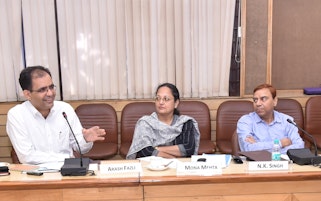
(223, 159)
(22, 167)
(164, 160)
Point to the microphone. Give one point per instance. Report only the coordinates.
(74, 166)
(65, 116)
(304, 156)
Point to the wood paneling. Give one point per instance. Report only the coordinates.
(255, 44)
(100, 194)
(296, 44)
(280, 44)
(35, 195)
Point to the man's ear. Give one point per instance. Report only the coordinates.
(275, 101)
(27, 94)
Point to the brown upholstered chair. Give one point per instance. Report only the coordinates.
(104, 116)
(312, 123)
(201, 113)
(14, 157)
(196, 109)
(130, 115)
(228, 113)
(235, 144)
(293, 108)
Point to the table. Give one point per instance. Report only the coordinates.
(53, 186)
(236, 183)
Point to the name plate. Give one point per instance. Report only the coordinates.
(198, 168)
(120, 168)
(268, 165)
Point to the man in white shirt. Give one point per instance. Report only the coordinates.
(37, 128)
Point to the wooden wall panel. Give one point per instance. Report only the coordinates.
(296, 44)
(256, 44)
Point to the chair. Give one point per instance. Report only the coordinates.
(130, 115)
(14, 157)
(201, 113)
(312, 123)
(228, 113)
(292, 108)
(104, 116)
(235, 144)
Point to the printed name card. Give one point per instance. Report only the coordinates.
(268, 165)
(120, 168)
(198, 168)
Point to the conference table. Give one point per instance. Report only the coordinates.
(235, 183)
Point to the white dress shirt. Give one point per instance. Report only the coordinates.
(37, 140)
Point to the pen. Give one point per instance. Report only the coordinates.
(32, 173)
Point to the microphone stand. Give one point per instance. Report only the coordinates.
(72, 166)
(304, 156)
(308, 134)
(65, 116)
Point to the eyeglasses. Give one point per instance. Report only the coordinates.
(263, 99)
(164, 99)
(45, 89)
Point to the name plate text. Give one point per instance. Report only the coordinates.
(120, 168)
(199, 168)
(268, 165)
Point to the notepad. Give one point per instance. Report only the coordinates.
(257, 155)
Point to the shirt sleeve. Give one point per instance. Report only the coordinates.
(147, 151)
(294, 136)
(245, 128)
(186, 140)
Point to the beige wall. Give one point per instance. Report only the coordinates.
(5, 145)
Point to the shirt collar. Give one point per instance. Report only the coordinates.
(277, 118)
(35, 112)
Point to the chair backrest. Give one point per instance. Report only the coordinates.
(14, 157)
(201, 113)
(235, 144)
(313, 116)
(292, 108)
(129, 117)
(102, 115)
(228, 113)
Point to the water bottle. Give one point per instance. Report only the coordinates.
(276, 154)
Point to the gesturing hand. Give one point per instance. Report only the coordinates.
(94, 133)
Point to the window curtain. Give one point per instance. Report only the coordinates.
(118, 49)
(11, 60)
(122, 49)
(40, 38)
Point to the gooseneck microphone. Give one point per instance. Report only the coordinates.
(308, 134)
(65, 116)
(74, 166)
(304, 156)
